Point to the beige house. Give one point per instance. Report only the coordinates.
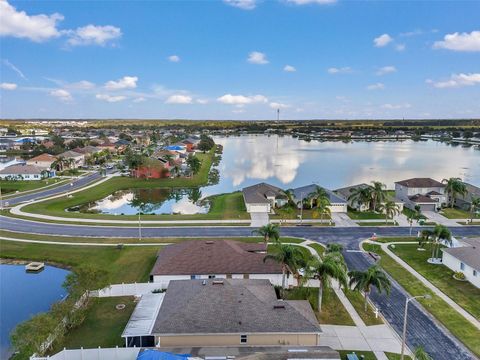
(428, 194)
(43, 161)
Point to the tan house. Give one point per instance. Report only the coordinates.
(43, 161)
(225, 312)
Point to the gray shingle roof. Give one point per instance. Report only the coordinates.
(420, 183)
(236, 306)
(256, 194)
(469, 255)
(303, 192)
(345, 192)
(21, 170)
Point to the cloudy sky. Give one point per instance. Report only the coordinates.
(239, 59)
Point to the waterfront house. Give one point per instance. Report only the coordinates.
(426, 193)
(216, 259)
(464, 258)
(152, 169)
(227, 312)
(337, 204)
(346, 192)
(465, 202)
(22, 172)
(263, 198)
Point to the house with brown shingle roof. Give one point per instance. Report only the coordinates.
(427, 193)
(215, 259)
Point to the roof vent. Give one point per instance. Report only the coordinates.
(217, 282)
(279, 306)
(204, 282)
(209, 242)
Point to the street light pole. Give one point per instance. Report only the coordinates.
(139, 227)
(404, 335)
(301, 208)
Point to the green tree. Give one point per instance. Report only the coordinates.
(474, 206)
(206, 143)
(194, 164)
(334, 247)
(290, 257)
(322, 208)
(318, 195)
(453, 187)
(440, 233)
(390, 209)
(361, 195)
(85, 278)
(269, 231)
(324, 270)
(378, 194)
(364, 280)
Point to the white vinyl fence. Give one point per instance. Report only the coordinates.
(93, 354)
(135, 289)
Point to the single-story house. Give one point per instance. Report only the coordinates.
(465, 258)
(263, 198)
(337, 204)
(43, 161)
(465, 203)
(152, 169)
(78, 158)
(22, 172)
(216, 259)
(427, 193)
(87, 150)
(227, 312)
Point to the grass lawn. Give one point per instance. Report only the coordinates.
(307, 214)
(364, 215)
(358, 302)
(377, 223)
(457, 214)
(396, 239)
(10, 187)
(463, 293)
(104, 321)
(453, 321)
(333, 312)
(318, 248)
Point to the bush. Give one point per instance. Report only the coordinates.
(459, 275)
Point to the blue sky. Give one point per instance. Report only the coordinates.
(240, 59)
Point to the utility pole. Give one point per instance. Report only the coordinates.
(139, 227)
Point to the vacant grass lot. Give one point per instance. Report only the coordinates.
(457, 214)
(364, 215)
(463, 293)
(10, 187)
(453, 321)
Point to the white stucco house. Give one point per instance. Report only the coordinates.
(263, 198)
(426, 193)
(337, 204)
(22, 172)
(464, 258)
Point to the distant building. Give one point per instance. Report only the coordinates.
(9, 161)
(263, 198)
(426, 193)
(464, 258)
(22, 172)
(337, 204)
(152, 169)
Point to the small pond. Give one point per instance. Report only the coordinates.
(25, 294)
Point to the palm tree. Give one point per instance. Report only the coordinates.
(390, 209)
(289, 256)
(424, 237)
(324, 270)
(361, 195)
(440, 233)
(269, 231)
(334, 247)
(453, 187)
(364, 280)
(317, 195)
(421, 354)
(378, 193)
(322, 208)
(290, 197)
(474, 206)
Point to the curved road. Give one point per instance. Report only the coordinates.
(423, 329)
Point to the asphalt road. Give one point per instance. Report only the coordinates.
(423, 329)
(77, 183)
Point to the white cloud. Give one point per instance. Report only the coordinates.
(382, 40)
(93, 35)
(14, 68)
(179, 99)
(289, 68)
(174, 58)
(306, 2)
(127, 82)
(457, 80)
(386, 70)
(202, 101)
(276, 105)
(19, 24)
(343, 70)
(61, 94)
(8, 86)
(400, 47)
(396, 106)
(241, 100)
(81, 85)
(256, 57)
(460, 42)
(110, 98)
(376, 86)
(139, 100)
(242, 4)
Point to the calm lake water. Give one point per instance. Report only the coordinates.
(289, 162)
(25, 294)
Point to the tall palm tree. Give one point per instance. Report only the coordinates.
(269, 231)
(334, 247)
(440, 233)
(425, 236)
(317, 195)
(324, 270)
(390, 209)
(290, 197)
(322, 208)
(474, 206)
(364, 280)
(453, 187)
(421, 354)
(361, 195)
(289, 256)
(378, 193)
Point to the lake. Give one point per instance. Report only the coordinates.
(37, 292)
(289, 162)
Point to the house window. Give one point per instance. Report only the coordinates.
(211, 276)
(243, 339)
(462, 266)
(193, 277)
(474, 272)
